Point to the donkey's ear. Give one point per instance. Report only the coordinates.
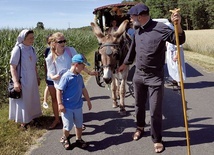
(97, 31)
(121, 29)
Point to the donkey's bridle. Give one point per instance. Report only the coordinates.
(108, 44)
(108, 50)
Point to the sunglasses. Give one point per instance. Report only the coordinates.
(61, 41)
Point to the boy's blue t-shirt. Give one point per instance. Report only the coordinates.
(71, 85)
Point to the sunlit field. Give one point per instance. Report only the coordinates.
(200, 41)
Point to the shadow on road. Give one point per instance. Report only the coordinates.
(201, 84)
(191, 71)
(173, 121)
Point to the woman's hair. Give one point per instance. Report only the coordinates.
(53, 38)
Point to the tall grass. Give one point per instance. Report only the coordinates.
(82, 39)
(200, 41)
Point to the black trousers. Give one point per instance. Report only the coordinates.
(149, 86)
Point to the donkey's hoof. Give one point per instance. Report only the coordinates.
(122, 111)
(114, 105)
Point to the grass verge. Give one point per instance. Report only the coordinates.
(204, 61)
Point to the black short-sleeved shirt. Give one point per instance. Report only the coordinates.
(149, 46)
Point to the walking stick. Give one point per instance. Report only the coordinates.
(181, 81)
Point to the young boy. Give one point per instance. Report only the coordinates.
(69, 96)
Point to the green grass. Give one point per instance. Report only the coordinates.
(11, 135)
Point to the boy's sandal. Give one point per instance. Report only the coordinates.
(138, 134)
(65, 142)
(81, 143)
(62, 139)
(159, 147)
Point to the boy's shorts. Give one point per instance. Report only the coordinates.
(71, 118)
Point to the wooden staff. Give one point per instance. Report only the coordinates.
(181, 81)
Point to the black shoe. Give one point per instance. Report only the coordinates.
(81, 143)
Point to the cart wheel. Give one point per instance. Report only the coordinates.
(99, 69)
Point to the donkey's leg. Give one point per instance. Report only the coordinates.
(113, 93)
(123, 92)
(117, 82)
(122, 97)
(124, 75)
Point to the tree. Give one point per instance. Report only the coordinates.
(156, 8)
(40, 25)
(196, 14)
(199, 16)
(185, 13)
(210, 11)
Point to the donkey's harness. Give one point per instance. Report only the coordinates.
(110, 52)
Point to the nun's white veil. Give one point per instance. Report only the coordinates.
(21, 36)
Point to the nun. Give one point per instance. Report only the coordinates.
(25, 77)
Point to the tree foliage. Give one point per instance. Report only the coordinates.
(196, 14)
(40, 25)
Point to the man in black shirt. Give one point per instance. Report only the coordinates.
(148, 48)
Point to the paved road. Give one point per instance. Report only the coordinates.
(109, 133)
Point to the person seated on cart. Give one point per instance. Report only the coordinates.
(131, 30)
(113, 27)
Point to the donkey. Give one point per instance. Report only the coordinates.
(113, 50)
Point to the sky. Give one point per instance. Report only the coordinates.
(55, 14)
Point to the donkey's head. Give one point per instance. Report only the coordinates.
(110, 49)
